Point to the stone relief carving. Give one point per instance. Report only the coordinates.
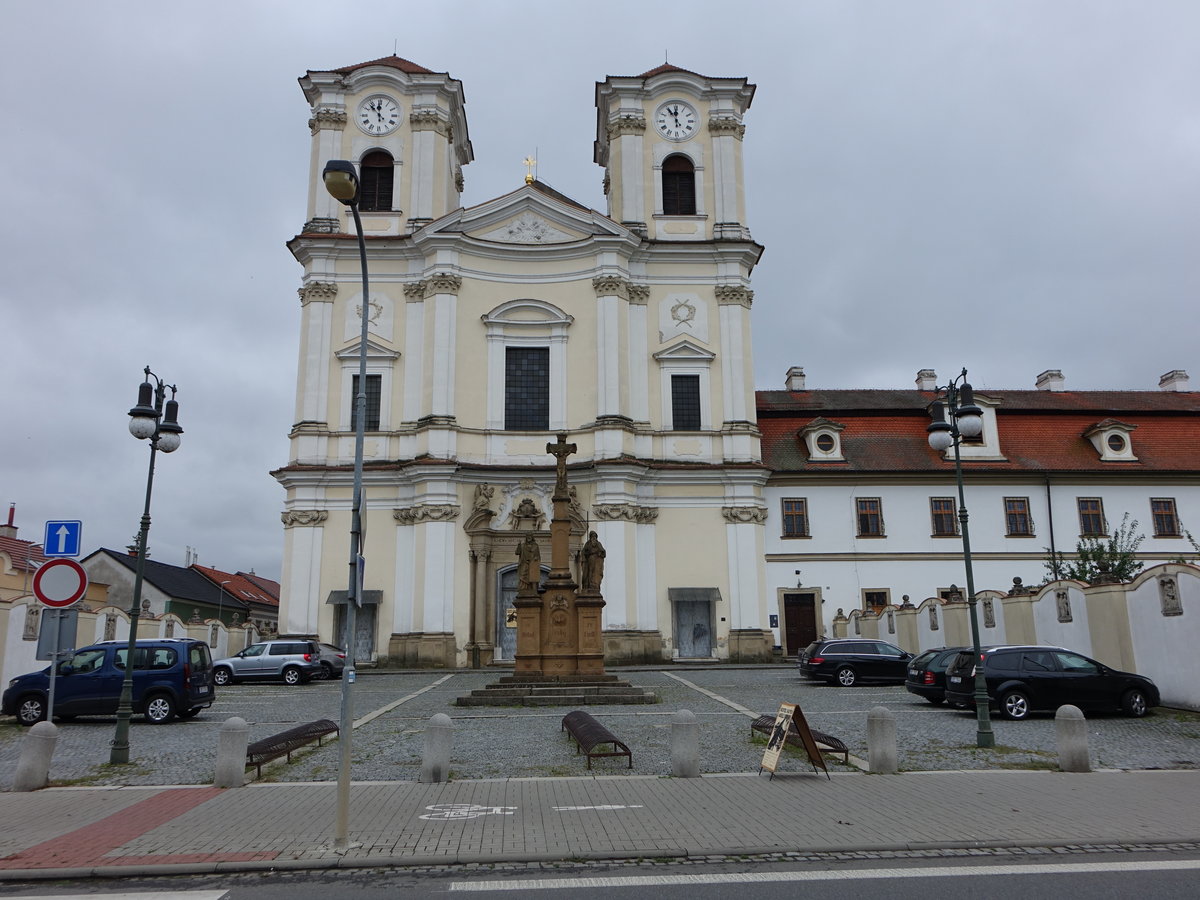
(1062, 600)
(442, 283)
(574, 507)
(989, 612)
(33, 617)
(754, 515)
(414, 291)
(426, 512)
(891, 619)
(483, 497)
(526, 515)
(169, 631)
(639, 294)
(857, 622)
(1168, 595)
(307, 517)
(726, 125)
(629, 123)
(327, 118)
(317, 292)
(684, 313)
(212, 636)
(610, 286)
(110, 627)
(373, 318)
(626, 512)
(933, 617)
(428, 120)
(528, 228)
(734, 294)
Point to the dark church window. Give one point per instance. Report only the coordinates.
(527, 389)
(679, 186)
(374, 395)
(375, 189)
(685, 402)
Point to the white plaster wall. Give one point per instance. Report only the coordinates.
(1165, 646)
(1074, 635)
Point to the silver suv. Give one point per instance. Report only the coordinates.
(293, 662)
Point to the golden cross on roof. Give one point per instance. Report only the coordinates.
(530, 162)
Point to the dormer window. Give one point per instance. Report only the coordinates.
(1112, 440)
(823, 440)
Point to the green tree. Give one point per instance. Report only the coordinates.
(1112, 558)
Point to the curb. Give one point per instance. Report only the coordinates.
(674, 853)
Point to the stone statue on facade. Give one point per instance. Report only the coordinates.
(529, 565)
(483, 496)
(592, 568)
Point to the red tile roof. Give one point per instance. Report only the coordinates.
(244, 587)
(26, 556)
(1040, 431)
(394, 62)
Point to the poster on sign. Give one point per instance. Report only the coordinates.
(790, 723)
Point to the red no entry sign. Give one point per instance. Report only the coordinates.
(60, 582)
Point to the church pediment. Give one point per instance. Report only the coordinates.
(685, 351)
(533, 215)
(375, 351)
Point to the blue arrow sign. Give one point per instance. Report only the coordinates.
(63, 538)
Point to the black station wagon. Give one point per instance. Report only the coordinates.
(848, 661)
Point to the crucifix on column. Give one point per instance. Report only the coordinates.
(560, 451)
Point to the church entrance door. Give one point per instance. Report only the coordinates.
(364, 628)
(799, 622)
(506, 634)
(693, 628)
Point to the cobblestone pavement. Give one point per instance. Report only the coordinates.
(516, 742)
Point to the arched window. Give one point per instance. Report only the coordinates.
(375, 191)
(679, 186)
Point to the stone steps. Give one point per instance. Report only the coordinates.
(518, 690)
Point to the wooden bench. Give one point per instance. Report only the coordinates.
(825, 742)
(590, 734)
(285, 742)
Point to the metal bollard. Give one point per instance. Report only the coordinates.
(33, 769)
(231, 753)
(1070, 729)
(439, 740)
(881, 741)
(685, 745)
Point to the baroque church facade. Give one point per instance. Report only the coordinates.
(492, 329)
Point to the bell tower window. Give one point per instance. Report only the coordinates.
(375, 192)
(679, 186)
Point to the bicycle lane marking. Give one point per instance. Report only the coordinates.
(92, 844)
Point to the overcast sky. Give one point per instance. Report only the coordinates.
(1008, 186)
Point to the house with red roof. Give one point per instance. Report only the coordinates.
(862, 513)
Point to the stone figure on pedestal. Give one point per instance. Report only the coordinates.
(529, 565)
(592, 568)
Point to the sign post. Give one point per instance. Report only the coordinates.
(58, 584)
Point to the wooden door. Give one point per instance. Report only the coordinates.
(799, 621)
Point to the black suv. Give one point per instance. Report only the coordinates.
(848, 661)
(1021, 679)
(171, 677)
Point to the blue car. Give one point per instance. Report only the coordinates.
(171, 677)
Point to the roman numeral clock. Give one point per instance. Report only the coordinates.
(675, 120)
(378, 114)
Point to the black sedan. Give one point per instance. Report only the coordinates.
(849, 661)
(1022, 679)
(927, 673)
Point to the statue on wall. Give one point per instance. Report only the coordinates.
(1063, 601)
(575, 508)
(1168, 595)
(592, 569)
(529, 565)
(891, 620)
(989, 612)
(933, 622)
(483, 496)
(33, 616)
(526, 516)
(110, 627)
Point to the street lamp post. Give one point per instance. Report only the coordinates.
(954, 418)
(341, 181)
(157, 422)
(221, 600)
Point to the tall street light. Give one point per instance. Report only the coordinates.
(341, 181)
(157, 422)
(956, 417)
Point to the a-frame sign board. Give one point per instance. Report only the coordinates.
(790, 721)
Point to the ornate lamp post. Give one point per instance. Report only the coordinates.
(341, 181)
(157, 422)
(956, 417)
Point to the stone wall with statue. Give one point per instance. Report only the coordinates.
(1150, 625)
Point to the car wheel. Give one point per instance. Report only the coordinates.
(31, 709)
(292, 675)
(846, 676)
(1134, 703)
(1015, 705)
(190, 713)
(160, 709)
(222, 676)
(326, 671)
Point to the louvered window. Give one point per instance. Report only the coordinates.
(375, 189)
(679, 186)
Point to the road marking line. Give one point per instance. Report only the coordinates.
(371, 716)
(173, 894)
(530, 884)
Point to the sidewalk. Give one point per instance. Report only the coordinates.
(80, 832)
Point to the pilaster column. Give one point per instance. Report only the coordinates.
(326, 125)
(727, 132)
(733, 304)
(610, 291)
(639, 354)
(443, 289)
(316, 348)
(627, 138)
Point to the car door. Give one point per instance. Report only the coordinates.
(1039, 672)
(1081, 682)
(892, 662)
(250, 662)
(88, 684)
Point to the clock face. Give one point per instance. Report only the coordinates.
(676, 120)
(378, 114)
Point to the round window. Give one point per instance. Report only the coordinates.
(826, 443)
(1116, 442)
